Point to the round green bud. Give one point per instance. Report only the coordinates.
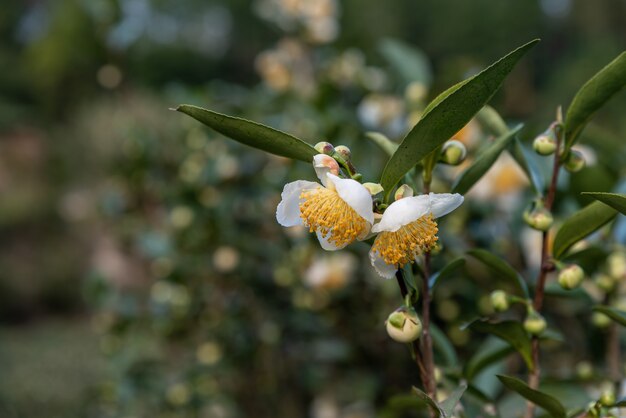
(403, 325)
(545, 144)
(600, 320)
(534, 323)
(499, 300)
(584, 370)
(344, 152)
(574, 161)
(453, 152)
(607, 398)
(605, 282)
(324, 147)
(539, 218)
(571, 276)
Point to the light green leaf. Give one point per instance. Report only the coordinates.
(446, 272)
(510, 331)
(501, 267)
(409, 62)
(448, 117)
(451, 401)
(483, 163)
(437, 411)
(491, 121)
(486, 356)
(615, 200)
(542, 400)
(382, 141)
(581, 224)
(592, 95)
(443, 346)
(527, 164)
(252, 133)
(616, 315)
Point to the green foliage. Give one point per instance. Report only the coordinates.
(409, 62)
(510, 331)
(615, 200)
(447, 117)
(504, 270)
(543, 400)
(580, 224)
(616, 315)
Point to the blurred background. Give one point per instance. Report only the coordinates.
(142, 272)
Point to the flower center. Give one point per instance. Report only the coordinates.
(402, 246)
(324, 211)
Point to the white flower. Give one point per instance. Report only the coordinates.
(339, 210)
(407, 229)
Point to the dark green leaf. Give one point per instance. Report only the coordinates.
(409, 62)
(447, 118)
(510, 331)
(252, 133)
(592, 95)
(438, 412)
(443, 346)
(502, 268)
(483, 163)
(451, 401)
(446, 272)
(383, 142)
(542, 400)
(580, 224)
(615, 200)
(615, 314)
(486, 357)
(525, 161)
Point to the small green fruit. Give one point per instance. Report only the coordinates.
(403, 325)
(571, 277)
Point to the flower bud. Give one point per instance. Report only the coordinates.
(604, 282)
(403, 191)
(574, 161)
(324, 147)
(584, 370)
(600, 320)
(343, 151)
(571, 277)
(538, 218)
(535, 324)
(607, 398)
(403, 325)
(545, 144)
(499, 300)
(453, 152)
(325, 164)
(616, 263)
(374, 188)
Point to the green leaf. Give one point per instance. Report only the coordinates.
(620, 403)
(252, 133)
(581, 224)
(486, 357)
(491, 121)
(542, 400)
(446, 272)
(383, 142)
(448, 117)
(525, 161)
(451, 401)
(615, 200)
(592, 95)
(501, 267)
(443, 346)
(409, 62)
(437, 411)
(615, 314)
(483, 163)
(510, 331)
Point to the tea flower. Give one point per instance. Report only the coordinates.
(339, 210)
(408, 229)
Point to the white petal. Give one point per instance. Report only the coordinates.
(324, 164)
(327, 245)
(383, 269)
(444, 203)
(403, 212)
(288, 210)
(354, 194)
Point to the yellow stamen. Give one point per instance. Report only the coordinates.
(402, 246)
(323, 210)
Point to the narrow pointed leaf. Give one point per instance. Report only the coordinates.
(549, 403)
(580, 224)
(446, 272)
(448, 117)
(437, 411)
(451, 401)
(443, 346)
(485, 358)
(483, 163)
(510, 331)
(615, 200)
(383, 142)
(592, 95)
(252, 133)
(501, 267)
(409, 62)
(525, 161)
(616, 315)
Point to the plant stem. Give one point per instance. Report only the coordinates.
(546, 267)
